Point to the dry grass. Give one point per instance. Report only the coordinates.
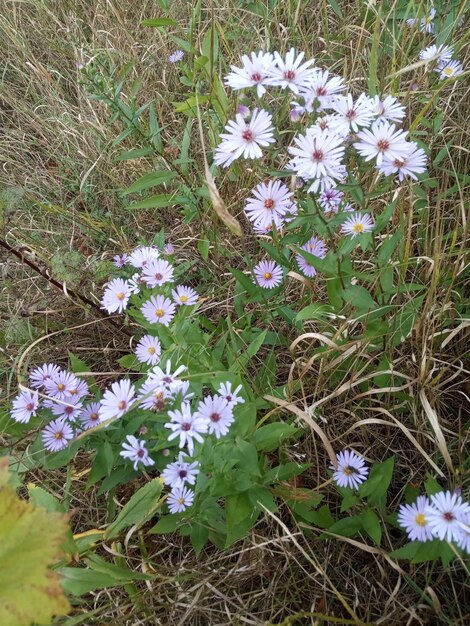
(61, 192)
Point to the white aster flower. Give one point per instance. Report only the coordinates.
(217, 413)
(316, 247)
(176, 56)
(439, 54)
(157, 272)
(180, 499)
(154, 396)
(135, 282)
(317, 156)
(271, 202)
(136, 451)
(148, 350)
(159, 310)
(291, 72)
(61, 385)
(167, 378)
(185, 295)
(322, 87)
(351, 471)
(180, 472)
(90, 415)
(382, 141)
(445, 514)
(388, 108)
(426, 23)
(81, 388)
(357, 224)
(232, 397)
(268, 274)
(245, 139)
(117, 400)
(186, 426)
(25, 406)
(463, 538)
(410, 164)
(56, 435)
(116, 296)
(39, 375)
(412, 518)
(143, 255)
(350, 114)
(254, 73)
(454, 68)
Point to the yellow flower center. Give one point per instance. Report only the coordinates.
(420, 519)
(60, 387)
(120, 296)
(183, 298)
(58, 435)
(448, 71)
(159, 312)
(94, 417)
(180, 500)
(358, 228)
(122, 405)
(151, 350)
(267, 275)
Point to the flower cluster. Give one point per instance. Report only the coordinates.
(443, 516)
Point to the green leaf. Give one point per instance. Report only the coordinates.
(140, 508)
(137, 153)
(431, 486)
(336, 8)
(379, 479)
(314, 311)
(347, 527)
(407, 551)
(150, 180)
(240, 516)
(166, 524)
(252, 349)
(284, 472)
(159, 201)
(30, 542)
(371, 524)
(269, 437)
(158, 22)
(199, 536)
(247, 457)
(129, 361)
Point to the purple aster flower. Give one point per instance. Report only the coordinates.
(61, 385)
(217, 413)
(39, 375)
(267, 274)
(117, 400)
(116, 296)
(136, 451)
(176, 56)
(351, 471)
(186, 426)
(180, 472)
(185, 295)
(90, 415)
(148, 350)
(412, 518)
(180, 499)
(313, 246)
(159, 310)
(25, 406)
(157, 273)
(70, 408)
(232, 397)
(120, 260)
(56, 435)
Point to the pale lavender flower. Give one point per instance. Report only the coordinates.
(120, 260)
(453, 68)
(56, 435)
(271, 202)
(438, 54)
(357, 224)
(255, 72)
(217, 413)
(317, 156)
(180, 472)
(426, 24)
(313, 246)
(186, 426)
(414, 162)
(136, 451)
(445, 514)
(61, 385)
(185, 295)
(322, 88)
(244, 111)
(382, 141)
(388, 108)
(351, 470)
(232, 397)
(159, 310)
(90, 415)
(291, 72)
(267, 274)
(135, 282)
(25, 406)
(245, 139)
(330, 199)
(350, 114)
(154, 396)
(295, 113)
(169, 248)
(39, 375)
(117, 400)
(176, 56)
(148, 350)
(70, 408)
(142, 255)
(463, 538)
(412, 518)
(81, 388)
(166, 377)
(158, 272)
(180, 499)
(116, 296)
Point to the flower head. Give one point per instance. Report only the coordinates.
(357, 224)
(40, 375)
(388, 108)
(56, 435)
(255, 72)
(154, 396)
(449, 70)
(232, 397)
(90, 415)
(410, 164)
(180, 499)
(61, 385)
(382, 141)
(157, 272)
(351, 471)
(350, 114)
(439, 54)
(136, 451)
(270, 202)
(317, 155)
(176, 56)
(180, 472)
(290, 72)
(322, 88)
(330, 199)
(70, 408)
(159, 310)
(412, 518)
(186, 426)
(185, 295)
(148, 350)
(313, 246)
(117, 400)
(445, 514)
(120, 260)
(244, 139)
(217, 413)
(116, 296)
(25, 406)
(268, 274)
(143, 255)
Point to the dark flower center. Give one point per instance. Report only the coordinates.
(29, 406)
(140, 453)
(122, 405)
(351, 114)
(256, 77)
(321, 91)
(182, 473)
(449, 516)
(268, 203)
(68, 410)
(247, 134)
(186, 426)
(348, 470)
(158, 276)
(383, 144)
(289, 74)
(215, 417)
(317, 155)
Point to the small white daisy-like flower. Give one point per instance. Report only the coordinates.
(439, 54)
(186, 426)
(25, 406)
(148, 350)
(81, 388)
(180, 499)
(254, 73)
(232, 397)
(70, 408)
(167, 378)
(291, 72)
(350, 114)
(136, 451)
(445, 514)
(120, 260)
(382, 141)
(267, 274)
(39, 375)
(453, 68)
(414, 162)
(155, 396)
(57, 435)
(357, 224)
(412, 518)
(463, 538)
(313, 246)
(185, 295)
(321, 88)
(426, 23)
(117, 400)
(176, 56)
(317, 156)
(388, 108)
(180, 472)
(135, 282)
(351, 471)
(269, 201)
(90, 415)
(116, 296)
(159, 310)
(61, 385)
(143, 255)
(330, 199)
(218, 414)
(245, 138)
(158, 272)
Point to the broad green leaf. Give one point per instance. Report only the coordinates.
(371, 524)
(347, 527)
(137, 153)
(159, 201)
(150, 180)
(30, 542)
(407, 551)
(199, 536)
(166, 524)
(140, 508)
(252, 349)
(379, 479)
(314, 311)
(432, 486)
(158, 22)
(269, 437)
(240, 516)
